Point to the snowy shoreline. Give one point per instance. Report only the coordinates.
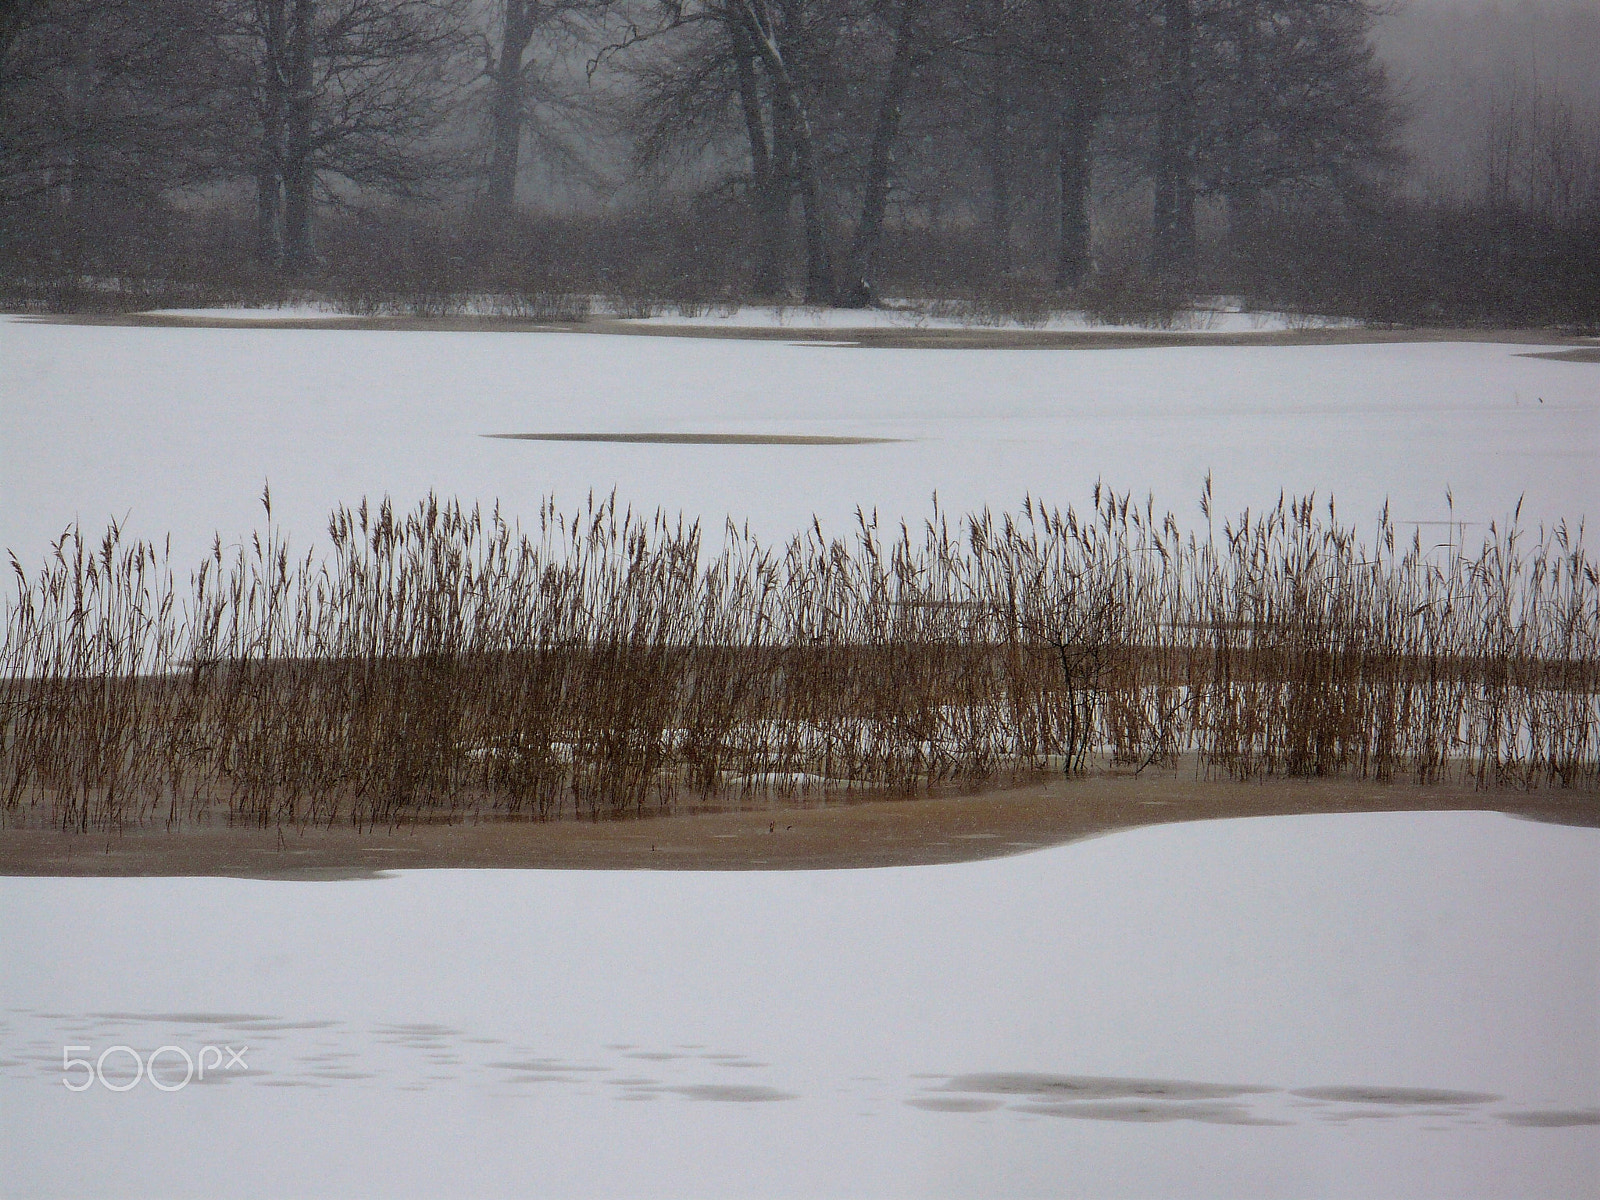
(877, 328)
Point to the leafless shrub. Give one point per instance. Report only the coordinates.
(1121, 292)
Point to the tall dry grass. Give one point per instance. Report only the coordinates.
(443, 663)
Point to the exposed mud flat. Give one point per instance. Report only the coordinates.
(821, 835)
(1583, 354)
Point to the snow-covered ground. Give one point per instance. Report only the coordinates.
(1376, 1005)
(176, 429)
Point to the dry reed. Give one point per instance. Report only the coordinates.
(441, 664)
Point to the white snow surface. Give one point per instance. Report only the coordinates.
(174, 430)
(591, 1033)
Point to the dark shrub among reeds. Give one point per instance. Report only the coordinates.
(442, 663)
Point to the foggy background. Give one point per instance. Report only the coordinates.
(1423, 161)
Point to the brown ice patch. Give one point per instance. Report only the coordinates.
(953, 1104)
(1552, 1118)
(1149, 1112)
(730, 1093)
(698, 439)
(1368, 1094)
(1096, 1087)
(1583, 354)
(1340, 1116)
(240, 1020)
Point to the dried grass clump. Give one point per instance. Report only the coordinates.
(441, 663)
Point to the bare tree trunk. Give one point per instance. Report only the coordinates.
(819, 261)
(505, 105)
(1243, 183)
(15, 16)
(792, 111)
(1173, 251)
(768, 170)
(269, 214)
(79, 168)
(864, 247)
(1075, 165)
(997, 147)
(269, 165)
(299, 170)
(1244, 209)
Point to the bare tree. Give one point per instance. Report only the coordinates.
(771, 162)
(700, 99)
(1000, 93)
(1254, 96)
(15, 17)
(911, 47)
(522, 64)
(107, 98)
(1042, 70)
(518, 20)
(766, 23)
(747, 53)
(1173, 222)
(1295, 98)
(1082, 41)
(299, 170)
(347, 90)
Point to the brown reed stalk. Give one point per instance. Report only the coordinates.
(441, 664)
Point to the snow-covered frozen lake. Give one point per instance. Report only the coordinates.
(176, 429)
(1387, 1005)
(1369, 1005)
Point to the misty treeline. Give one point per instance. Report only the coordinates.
(442, 662)
(1123, 156)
